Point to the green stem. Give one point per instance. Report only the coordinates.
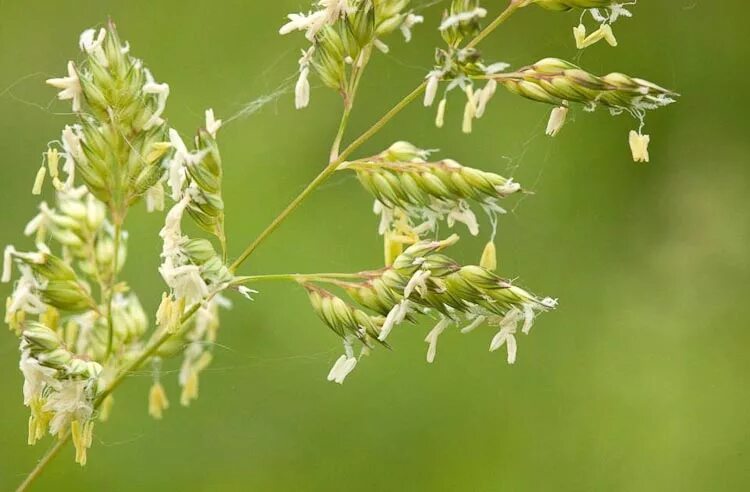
(39, 468)
(296, 277)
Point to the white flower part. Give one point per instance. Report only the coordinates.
(70, 402)
(496, 68)
(155, 198)
(171, 233)
(35, 377)
(70, 87)
(71, 139)
(549, 303)
(395, 316)
(386, 216)
(186, 282)
(297, 22)
(91, 43)
(484, 97)
(433, 82)
(161, 91)
(25, 295)
(344, 365)
(302, 89)
(7, 263)
(310, 23)
(432, 338)
(462, 213)
(176, 173)
(212, 124)
(39, 220)
(247, 292)
(176, 176)
(556, 120)
(336, 369)
(508, 188)
(417, 282)
(455, 19)
(184, 279)
(617, 10)
(474, 324)
(528, 318)
(409, 22)
(506, 334)
(639, 146)
(181, 150)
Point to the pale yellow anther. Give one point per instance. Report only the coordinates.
(609, 35)
(39, 181)
(53, 162)
(639, 146)
(440, 118)
(157, 401)
(579, 33)
(556, 120)
(489, 257)
(158, 149)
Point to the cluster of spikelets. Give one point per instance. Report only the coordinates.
(461, 66)
(81, 326)
(413, 195)
(423, 281)
(342, 34)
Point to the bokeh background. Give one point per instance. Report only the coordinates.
(637, 383)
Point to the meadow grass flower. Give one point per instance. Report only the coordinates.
(83, 330)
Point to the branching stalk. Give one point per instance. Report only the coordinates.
(330, 169)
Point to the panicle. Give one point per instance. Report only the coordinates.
(115, 147)
(424, 281)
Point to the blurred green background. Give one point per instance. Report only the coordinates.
(637, 383)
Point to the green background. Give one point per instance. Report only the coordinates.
(637, 383)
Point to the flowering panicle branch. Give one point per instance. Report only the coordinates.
(80, 325)
(550, 80)
(424, 281)
(83, 330)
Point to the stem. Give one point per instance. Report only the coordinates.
(340, 134)
(358, 142)
(39, 468)
(296, 277)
